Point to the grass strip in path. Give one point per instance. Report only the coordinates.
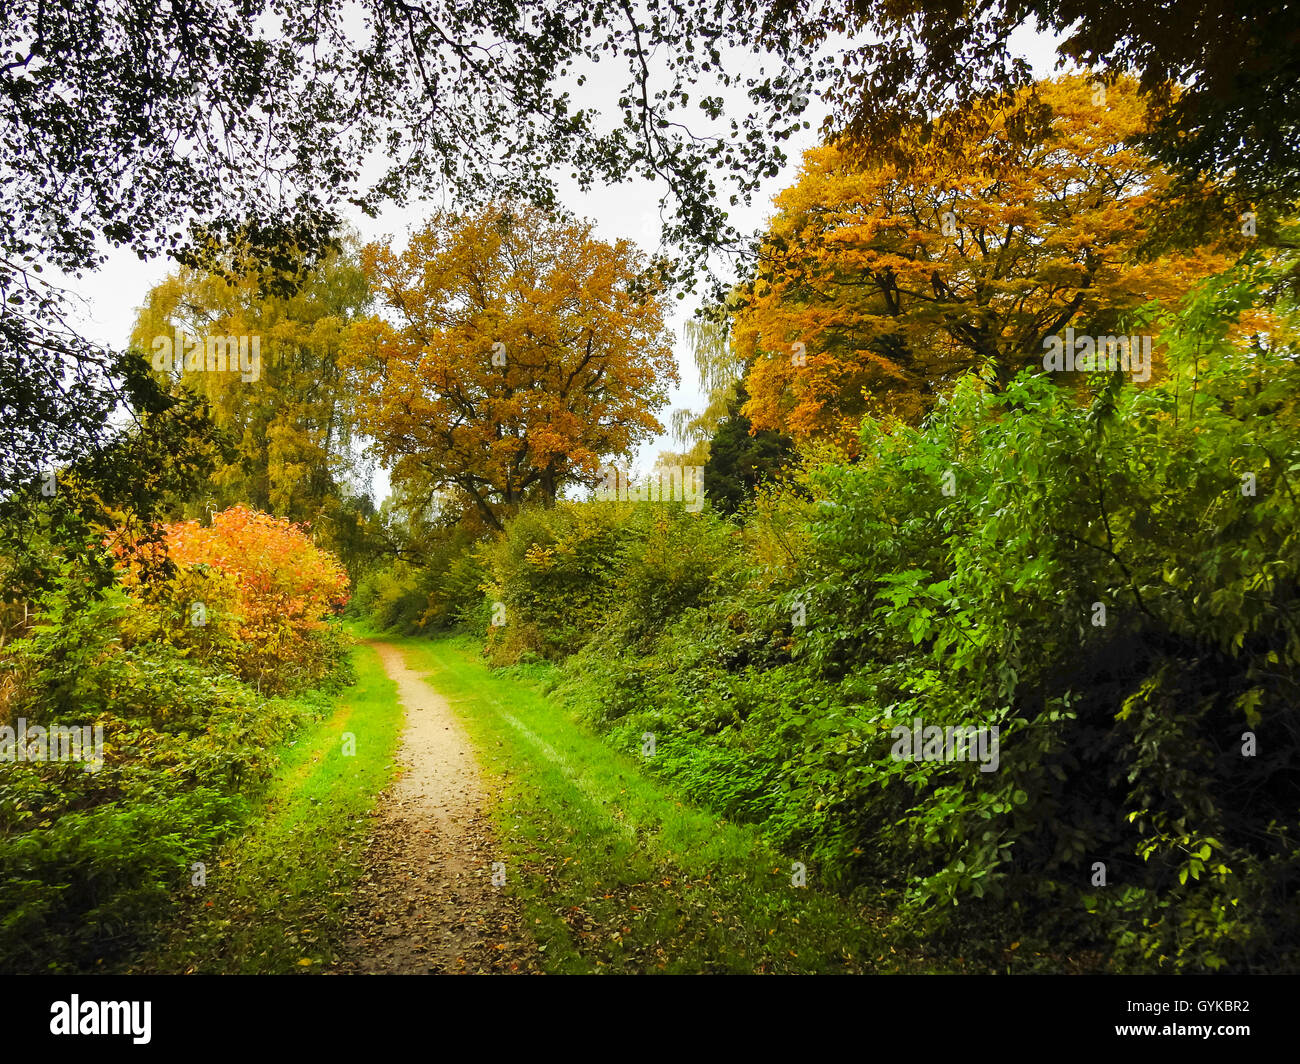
(617, 875)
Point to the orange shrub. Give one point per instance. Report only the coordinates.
(273, 587)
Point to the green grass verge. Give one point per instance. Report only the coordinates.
(613, 872)
(273, 900)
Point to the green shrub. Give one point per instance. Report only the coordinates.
(89, 859)
(554, 571)
(438, 590)
(955, 573)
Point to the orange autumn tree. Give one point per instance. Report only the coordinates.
(519, 352)
(878, 287)
(254, 590)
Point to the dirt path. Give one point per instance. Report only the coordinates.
(427, 903)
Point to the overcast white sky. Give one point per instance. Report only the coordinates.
(113, 293)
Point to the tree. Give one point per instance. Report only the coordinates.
(720, 369)
(1221, 77)
(184, 129)
(878, 285)
(521, 353)
(62, 527)
(285, 405)
(740, 459)
(719, 438)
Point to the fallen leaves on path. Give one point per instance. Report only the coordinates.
(427, 902)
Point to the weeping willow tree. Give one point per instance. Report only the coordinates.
(720, 439)
(721, 370)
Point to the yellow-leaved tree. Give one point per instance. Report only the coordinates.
(878, 287)
(518, 352)
(268, 366)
